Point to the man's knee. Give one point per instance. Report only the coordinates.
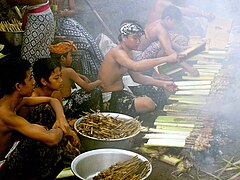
(144, 104)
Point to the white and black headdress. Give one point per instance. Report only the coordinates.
(130, 28)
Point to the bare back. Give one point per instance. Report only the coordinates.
(153, 31)
(66, 88)
(5, 135)
(157, 10)
(111, 72)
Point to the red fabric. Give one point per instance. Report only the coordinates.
(36, 10)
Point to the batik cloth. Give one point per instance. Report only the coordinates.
(32, 159)
(123, 102)
(80, 101)
(38, 35)
(155, 49)
(157, 94)
(89, 57)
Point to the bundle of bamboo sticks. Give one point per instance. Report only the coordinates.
(13, 26)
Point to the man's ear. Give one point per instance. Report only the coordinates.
(43, 82)
(62, 57)
(123, 37)
(18, 86)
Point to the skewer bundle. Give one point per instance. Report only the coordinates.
(131, 169)
(106, 127)
(13, 26)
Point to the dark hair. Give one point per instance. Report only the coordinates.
(173, 12)
(43, 68)
(12, 70)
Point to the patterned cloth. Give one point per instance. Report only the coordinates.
(122, 102)
(63, 47)
(128, 28)
(38, 35)
(32, 159)
(89, 57)
(80, 101)
(157, 94)
(155, 49)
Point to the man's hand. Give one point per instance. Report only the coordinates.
(208, 15)
(172, 58)
(73, 138)
(170, 86)
(62, 124)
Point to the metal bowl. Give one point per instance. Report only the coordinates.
(12, 38)
(89, 164)
(90, 143)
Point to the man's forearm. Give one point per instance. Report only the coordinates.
(146, 64)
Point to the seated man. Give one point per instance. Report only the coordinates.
(85, 99)
(38, 153)
(119, 61)
(189, 12)
(158, 42)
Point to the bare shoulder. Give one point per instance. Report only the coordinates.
(6, 117)
(68, 70)
(36, 92)
(114, 53)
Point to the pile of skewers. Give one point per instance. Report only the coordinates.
(107, 127)
(133, 168)
(13, 26)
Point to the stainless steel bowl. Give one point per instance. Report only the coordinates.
(12, 38)
(90, 143)
(89, 164)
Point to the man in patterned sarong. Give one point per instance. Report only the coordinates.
(119, 61)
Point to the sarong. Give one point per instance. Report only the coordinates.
(123, 102)
(157, 94)
(89, 57)
(38, 35)
(32, 159)
(155, 49)
(80, 101)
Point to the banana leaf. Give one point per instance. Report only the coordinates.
(198, 78)
(192, 83)
(192, 92)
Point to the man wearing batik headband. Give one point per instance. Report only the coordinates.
(118, 62)
(85, 99)
(130, 27)
(63, 47)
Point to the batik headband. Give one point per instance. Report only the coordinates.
(63, 47)
(129, 28)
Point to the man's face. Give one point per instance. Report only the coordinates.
(29, 84)
(69, 58)
(133, 41)
(171, 23)
(55, 81)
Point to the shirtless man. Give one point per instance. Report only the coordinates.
(37, 152)
(119, 61)
(160, 5)
(158, 33)
(88, 97)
